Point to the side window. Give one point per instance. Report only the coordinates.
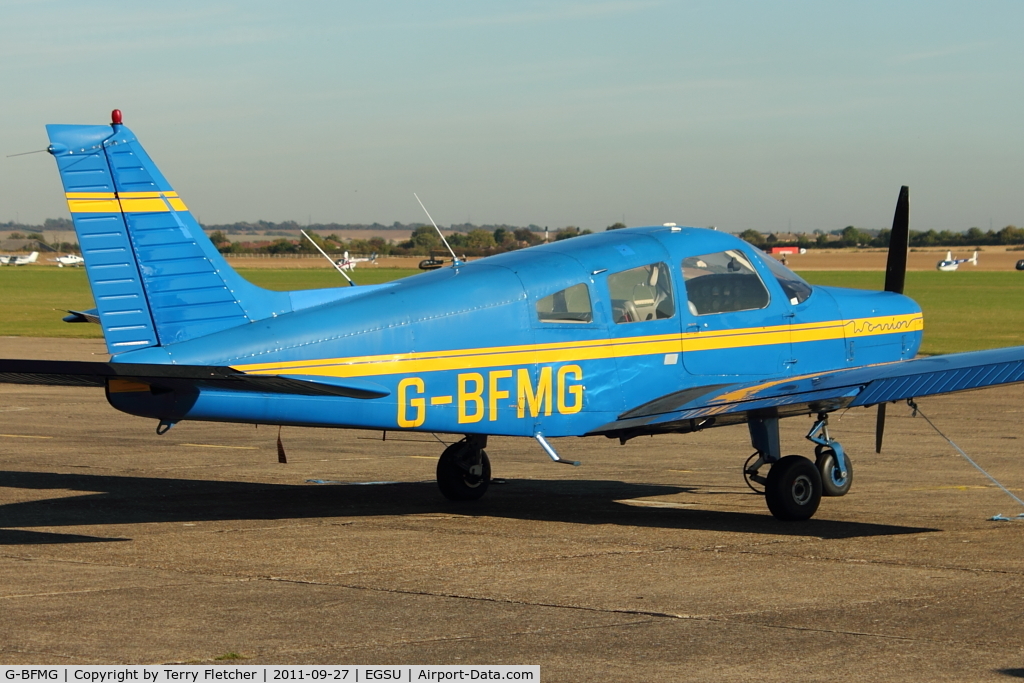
(722, 282)
(643, 293)
(570, 305)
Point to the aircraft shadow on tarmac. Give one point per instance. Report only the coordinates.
(116, 500)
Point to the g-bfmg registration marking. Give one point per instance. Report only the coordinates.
(478, 397)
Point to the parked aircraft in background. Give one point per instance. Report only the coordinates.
(437, 259)
(950, 264)
(15, 260)
(620, 334)
(69, 260)
(349, 263)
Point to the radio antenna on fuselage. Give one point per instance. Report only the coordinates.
(455, 259)
(336, 266)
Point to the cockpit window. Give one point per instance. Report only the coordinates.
(722, 282)
(794, 286)
(643, 293)
(570, 305)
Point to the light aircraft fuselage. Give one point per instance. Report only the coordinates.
(19, 260)
(467, 350)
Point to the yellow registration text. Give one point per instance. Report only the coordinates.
(481, 396)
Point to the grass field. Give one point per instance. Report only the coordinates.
(963, 311)
(284, 280)
(33, 300)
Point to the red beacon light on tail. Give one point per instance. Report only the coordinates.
(115, 117)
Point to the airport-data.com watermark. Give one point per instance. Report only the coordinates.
(225, 673)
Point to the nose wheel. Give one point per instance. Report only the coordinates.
(464, 470)
(833, 481)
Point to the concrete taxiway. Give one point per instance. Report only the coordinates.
(652, 561)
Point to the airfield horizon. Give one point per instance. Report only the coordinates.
(990, 258)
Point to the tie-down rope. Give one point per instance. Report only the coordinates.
(999, 518)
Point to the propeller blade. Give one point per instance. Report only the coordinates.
(879, 427)
(899, 243)
(895, 276)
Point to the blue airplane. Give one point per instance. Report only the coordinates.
(626, 333)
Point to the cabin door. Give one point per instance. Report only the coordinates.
(732, 326)
(644, 334)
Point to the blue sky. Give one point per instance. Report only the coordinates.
(736, 114)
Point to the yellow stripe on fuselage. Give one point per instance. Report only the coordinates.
(576, 351)
(127, 202)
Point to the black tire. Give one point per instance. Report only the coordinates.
(831, 483)
(793, 489)
(453, 476)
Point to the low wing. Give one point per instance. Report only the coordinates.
(170, 377)
(730, 403)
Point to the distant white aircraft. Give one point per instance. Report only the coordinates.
(19, 260)
(69, 260)
(950, 264)
(346, 263)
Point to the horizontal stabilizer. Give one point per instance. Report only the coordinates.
(171, 377)
(90, 316)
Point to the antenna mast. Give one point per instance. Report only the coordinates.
(336, 266)
(455, 259)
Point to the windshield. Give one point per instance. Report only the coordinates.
(793, 286)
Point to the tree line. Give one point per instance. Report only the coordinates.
(854, 237)
(21, 231)
(472, 240)
(423, 240)
(286, 228)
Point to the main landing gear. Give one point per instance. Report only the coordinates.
(794, 485)
(464, 471)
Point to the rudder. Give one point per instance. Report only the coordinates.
(155, 276)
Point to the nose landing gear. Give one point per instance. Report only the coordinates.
(835, 468)
(794, 485)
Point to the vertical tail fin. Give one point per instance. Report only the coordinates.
(156, 278)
